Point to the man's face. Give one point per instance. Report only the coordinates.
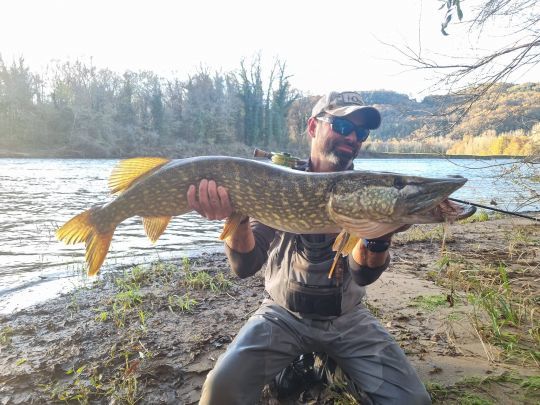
(336, 149)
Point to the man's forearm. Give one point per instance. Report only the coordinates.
(366, 258)
(366, 266)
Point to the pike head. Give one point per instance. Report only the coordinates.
(389, 198)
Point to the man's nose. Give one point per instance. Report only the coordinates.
(352, 137)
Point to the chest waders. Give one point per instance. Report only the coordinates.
(311, 369)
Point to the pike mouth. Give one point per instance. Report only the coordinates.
(450, 211)
(431, 195)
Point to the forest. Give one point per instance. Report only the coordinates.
(74, 109)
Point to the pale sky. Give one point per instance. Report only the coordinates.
(327, 45)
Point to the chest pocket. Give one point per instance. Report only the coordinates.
(309, 290)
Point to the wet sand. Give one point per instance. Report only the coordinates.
(152, 336)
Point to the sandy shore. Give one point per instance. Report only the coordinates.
(152, 335)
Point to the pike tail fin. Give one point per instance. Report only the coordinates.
(81, 229)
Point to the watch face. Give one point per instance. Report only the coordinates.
(376, 246)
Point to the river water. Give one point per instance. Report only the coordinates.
(38, 195)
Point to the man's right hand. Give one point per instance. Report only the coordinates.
(213, 201)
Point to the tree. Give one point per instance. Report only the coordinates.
(473, 77)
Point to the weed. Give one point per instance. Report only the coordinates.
(184, 303)
(73, 306)
(372, 308)
(186, 264)
(102, 316)
(479, 216)
(122, 303)
(468, 390)
(424, 234)
(519, 240)
(430, 302)
(202, 280)
(142, 319)
(5, 335)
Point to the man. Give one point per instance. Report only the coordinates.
(305, 310)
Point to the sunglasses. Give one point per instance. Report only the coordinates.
(345, 127)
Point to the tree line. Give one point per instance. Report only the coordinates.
(75, 109)
(78, 108)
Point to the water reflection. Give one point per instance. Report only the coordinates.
(38, 195)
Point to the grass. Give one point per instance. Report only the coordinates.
(430, 302)
(202, 280)
(503, 313)
(5, 335)
(183, 303)
(478, 216)
(481, 391)
(115, 377)
(421, 233)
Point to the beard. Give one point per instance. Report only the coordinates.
(335, 152)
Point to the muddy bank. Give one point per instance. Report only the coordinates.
(151, 335)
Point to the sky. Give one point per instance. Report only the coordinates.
(338, 45)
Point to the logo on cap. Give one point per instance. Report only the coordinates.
(348, 98)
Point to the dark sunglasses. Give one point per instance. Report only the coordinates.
(345, 127)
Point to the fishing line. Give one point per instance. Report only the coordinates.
(493, 209)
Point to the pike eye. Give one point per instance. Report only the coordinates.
(399, 183)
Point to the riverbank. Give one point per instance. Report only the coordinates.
(184, 150)
(462, 303)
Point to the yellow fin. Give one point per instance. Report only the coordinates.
(345, 242)
(343, 245)
(81, 229)
(231, 225)
(155, 226)
(128, 171)
(96, 251)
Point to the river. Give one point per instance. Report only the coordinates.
(38, 195)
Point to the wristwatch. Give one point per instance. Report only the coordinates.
(376, 245)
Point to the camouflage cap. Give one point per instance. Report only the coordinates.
(345, 103)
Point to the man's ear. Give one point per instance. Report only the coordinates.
(311, 127)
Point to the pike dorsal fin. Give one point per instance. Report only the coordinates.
(155, 226)
(128, 171)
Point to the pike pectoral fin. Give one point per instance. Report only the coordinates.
(128, 171)
(345, 243)
(231, 225)
(155, 226)
(343, 246)
(81, 229)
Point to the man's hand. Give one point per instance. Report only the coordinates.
(213, 202)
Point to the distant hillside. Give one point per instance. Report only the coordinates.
(505, 108)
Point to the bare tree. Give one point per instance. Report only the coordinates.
(471, 77)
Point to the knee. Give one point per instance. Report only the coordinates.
(219, 388)
(418, 396)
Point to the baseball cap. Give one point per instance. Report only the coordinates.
(342, 104)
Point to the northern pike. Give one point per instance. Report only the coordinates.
(364, 204)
